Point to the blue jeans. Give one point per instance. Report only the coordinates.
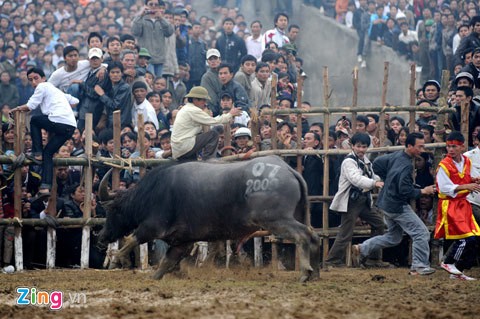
(59, 133)
(75, 91)
(158, 69)
(409, 222)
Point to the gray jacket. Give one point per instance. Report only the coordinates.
(151, 34)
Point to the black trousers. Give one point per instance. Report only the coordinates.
(59, 133)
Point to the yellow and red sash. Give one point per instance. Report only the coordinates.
(454, 215)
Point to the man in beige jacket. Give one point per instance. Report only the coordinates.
(187, 137)
(354, 199)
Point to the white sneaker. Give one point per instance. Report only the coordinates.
(364, 64)
(451, 268)
(461, 277)
(359, 58)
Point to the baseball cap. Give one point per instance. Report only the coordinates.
(213, 52)
(95, 53)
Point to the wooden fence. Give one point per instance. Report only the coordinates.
(91, 160)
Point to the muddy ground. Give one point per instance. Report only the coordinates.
(242, 293)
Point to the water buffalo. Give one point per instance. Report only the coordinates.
(200, 201)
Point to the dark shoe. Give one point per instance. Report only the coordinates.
(34, 160)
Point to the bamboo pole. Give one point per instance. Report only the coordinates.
(465, 110)
(87, 203)
(354, 99)
(299, 122)
(363, 109)
(117, 128)
(141, 137)
(326, 166)
(381, 130)
(413, 80)
(273, 102)
(51, 231)
(17, 186)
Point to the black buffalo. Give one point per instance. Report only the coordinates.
(197, 201)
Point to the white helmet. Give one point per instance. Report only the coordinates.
(243, 131)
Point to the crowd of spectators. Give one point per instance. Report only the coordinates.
(143, 57)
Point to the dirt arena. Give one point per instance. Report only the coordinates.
(241, 293)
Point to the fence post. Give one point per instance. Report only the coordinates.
(87, 203)
(18, 149)
(326, 166)
(354, 99)
(381, 130)
(143, 153)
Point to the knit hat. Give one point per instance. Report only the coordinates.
(139, 85)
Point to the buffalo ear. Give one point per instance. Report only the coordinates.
(103, 193)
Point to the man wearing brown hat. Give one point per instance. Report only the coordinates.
(187, 137)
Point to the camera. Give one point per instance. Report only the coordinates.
(149, 11)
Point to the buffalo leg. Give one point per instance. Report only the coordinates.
(171, 259)
(303, 237)
(123, 254)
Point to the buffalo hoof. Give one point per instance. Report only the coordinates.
(306, 276)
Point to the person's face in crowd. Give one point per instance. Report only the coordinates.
(476, 60)
(63, 152)
(149, 79)
(372, 125)
(402, 137)
(27, 142)
(201, 103)
(128, 44)
(165, 144)
(160, 84)
(9, 136)
(468, 58)
(151, 130)
(71, 59)
(69, 144)
(156, 102)
(62, 173)
(177, 21)
(309, 141)
(425, 203)
(249, 67)
(130, 144)
(114, 47)
(226, 103)
(404, 28)
(129, 61)
(5, 78)
(464, 82)
(167, 99)
(273, 46)
(143, 61)
(77, 137)
(196, 31)
(224, 75)
(360, 149)
(361, 128)
(95, 62)
(139, 95)
(431, 92)
(316, 129)
(292, 35)
(476, 27)
(79, 195)
(242, 141)
(419, 163)
(214, 62)
(451, 20)
(10, 54)
(426, 134)
(35, 79)
(95, 43)
(228, 27)
(282, 23)
(265, 131)
(463, 32)
(455, 151)
(169, 18)
(418, 148)
(283, 82)
(284, 105)
(461, 98)
(115, 75)
(256, 29)
(395, 126)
